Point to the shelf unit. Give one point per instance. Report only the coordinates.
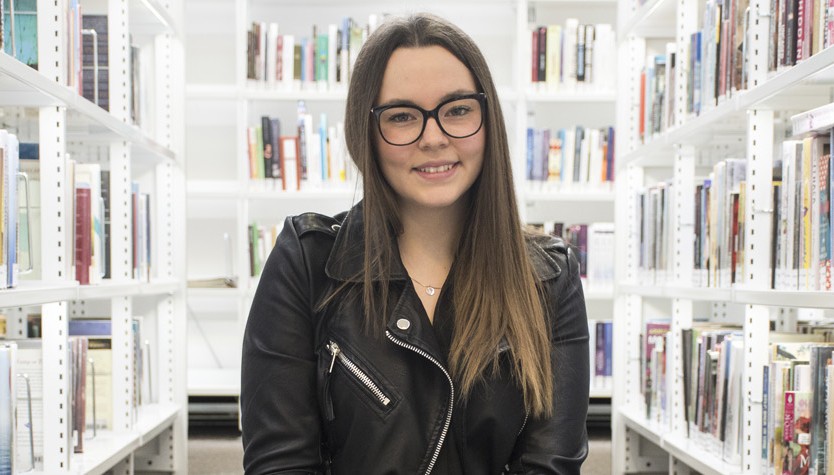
(221, 102)
(742, 125)
(38, 107)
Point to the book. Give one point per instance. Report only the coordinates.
(95, 66)
(83, 234)
(21, 41)
(29, 437)
(7, 407)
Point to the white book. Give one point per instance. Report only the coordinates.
(290, 147)
(568, 154)
(814, 120)
(271, 53)
(28, 361)
(604, 59)
(569, 53)
(312, 149)
(596, 158)
(287, 62)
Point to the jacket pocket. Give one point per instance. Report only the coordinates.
(380, 398)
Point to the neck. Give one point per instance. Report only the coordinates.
(429, 241)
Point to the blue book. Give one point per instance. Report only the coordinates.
(90, 327)
(609, 349)
(6, 409)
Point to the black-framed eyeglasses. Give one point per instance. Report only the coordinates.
(458, 117)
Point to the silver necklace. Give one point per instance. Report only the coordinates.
(430, 289)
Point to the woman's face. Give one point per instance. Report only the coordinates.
(437, 170)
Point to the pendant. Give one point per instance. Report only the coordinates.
(430, 290)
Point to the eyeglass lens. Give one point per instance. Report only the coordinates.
(403, 125)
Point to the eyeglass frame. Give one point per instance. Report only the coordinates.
(378, 110)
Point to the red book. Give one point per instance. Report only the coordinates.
(83, 235)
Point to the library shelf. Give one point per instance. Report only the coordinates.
(38, 293)
(569, 195)
(214, 292)
(214, 382)
(649, 430)
(153, 419)
(785, 298)
(695, 456)
(571, 96)
(108, 448)
(149, 17)
(600, 393)
(654, 19)
(593, 293)
(109, 289)
(23, 86)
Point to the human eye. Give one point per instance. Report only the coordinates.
(400, 116)
(458, 110)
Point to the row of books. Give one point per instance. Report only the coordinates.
(90, 353)
(568, 156)
(261, 241)
(798, 405)
(797, 402)
(86, 66)
(573, 55)
(87, 218)
(712, 358)
(91, 230)
(799, 29)
(801, 235)
(719, 225)
(322, 61)
(801, 250)
(594, 247)
(311, 159)
(715, 56)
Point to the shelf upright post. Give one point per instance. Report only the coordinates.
(757, 239)
(686, 21)
(625, 445)
(55, 247)
(682, 242)
(170, 260)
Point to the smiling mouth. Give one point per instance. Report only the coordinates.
(440, 169)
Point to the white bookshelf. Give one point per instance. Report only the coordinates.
(744, 125)
(221, 103)
(151, 436)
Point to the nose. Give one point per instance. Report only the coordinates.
(433, 135)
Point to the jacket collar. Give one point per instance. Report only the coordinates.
(346, 258)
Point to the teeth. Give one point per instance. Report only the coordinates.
(436, 169)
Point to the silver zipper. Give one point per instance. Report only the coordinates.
(524, 424)
(363, 378)
(451, 395)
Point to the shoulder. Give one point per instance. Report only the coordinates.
(550, 255)
(316, 223)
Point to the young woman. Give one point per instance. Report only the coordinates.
(422, 331)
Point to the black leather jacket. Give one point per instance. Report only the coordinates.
(319, 394)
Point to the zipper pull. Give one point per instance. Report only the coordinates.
(334, 350)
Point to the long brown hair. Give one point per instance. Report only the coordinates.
(495, 296)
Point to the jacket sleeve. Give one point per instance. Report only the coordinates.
(279, 409)
(559, 444)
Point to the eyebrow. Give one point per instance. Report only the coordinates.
(445, 97)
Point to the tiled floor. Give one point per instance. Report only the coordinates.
(218, 451)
